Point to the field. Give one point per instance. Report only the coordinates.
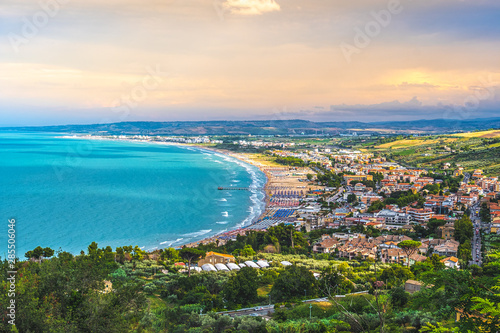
(475, 150)
(484, 134)
(400, 144)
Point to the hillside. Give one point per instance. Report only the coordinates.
(272, 127)
(473, 150)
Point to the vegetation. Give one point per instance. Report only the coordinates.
(68, 293)
(292, 161)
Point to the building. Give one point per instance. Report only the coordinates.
(448, 248)
(451, 262)
(412, 286)
(446, 231)
(327, 245)
(359, 178)
(216, 258)
(421, 216)
(392, 217)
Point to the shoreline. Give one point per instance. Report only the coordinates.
(242, 229)
(209, 239)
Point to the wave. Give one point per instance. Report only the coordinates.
(197, 233)
(222, 222)
(225, 214)
(223, 199)
(170, 242)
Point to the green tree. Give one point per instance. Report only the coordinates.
(399, 297)
(39, 252)
(293, 282)
(351, 198)
(242, 288)
(463, 229)
(409, 247)
(192, 256)
(247, 251)
(170, 254)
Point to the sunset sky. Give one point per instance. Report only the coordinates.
(92, 61)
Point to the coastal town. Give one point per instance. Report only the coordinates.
(357, 206)
(366, 203)
(351, 239)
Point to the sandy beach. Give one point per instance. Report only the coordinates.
(279, 178)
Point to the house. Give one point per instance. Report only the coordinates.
(448, 248)
(216, 258)
(412, 286)
(327, 245)
(451, 262)
(446, 231)
(392, 217)
(420, 215)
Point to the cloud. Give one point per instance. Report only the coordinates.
(406, 85)
(251, 7)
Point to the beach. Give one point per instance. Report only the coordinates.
(279, 178)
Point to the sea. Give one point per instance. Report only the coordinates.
(66, 192)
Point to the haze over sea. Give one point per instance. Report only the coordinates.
(68, 192)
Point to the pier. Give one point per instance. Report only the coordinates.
(270, 188)
(220, 188)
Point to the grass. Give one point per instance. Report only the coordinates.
(484, 134)
(405, 152)
(155, 301)
(264, 291)
(401, 144)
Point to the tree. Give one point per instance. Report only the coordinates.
(309, 176)
(121, 254)
(294, 282)
(399, 297)
(351, 198)
(247, 251)
(409, 247)
(170, 254)
(242, 288)
(396, 275)
(465, 251)
(40, 252)
(463, 229)
(435, 261)
(192, 256)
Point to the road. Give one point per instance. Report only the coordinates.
(264, 310)
(336, 196)
(476, 240)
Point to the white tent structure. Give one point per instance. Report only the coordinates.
(251, 264)
(209, 268)
(221, 267)
(286, 263)
(233, 266)
(262, 264)
(242, 265)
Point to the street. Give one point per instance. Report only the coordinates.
(476, 240)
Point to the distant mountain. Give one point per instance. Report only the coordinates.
(270, 127)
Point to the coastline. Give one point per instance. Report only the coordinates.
(239, 227)
(242, 229)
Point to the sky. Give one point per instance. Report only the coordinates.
(94, 61)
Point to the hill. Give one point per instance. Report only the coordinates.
(271, 127)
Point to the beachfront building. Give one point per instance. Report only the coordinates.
(216, 258)
(421, 216)
(392, 217)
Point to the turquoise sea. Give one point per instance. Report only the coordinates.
(68, 192)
